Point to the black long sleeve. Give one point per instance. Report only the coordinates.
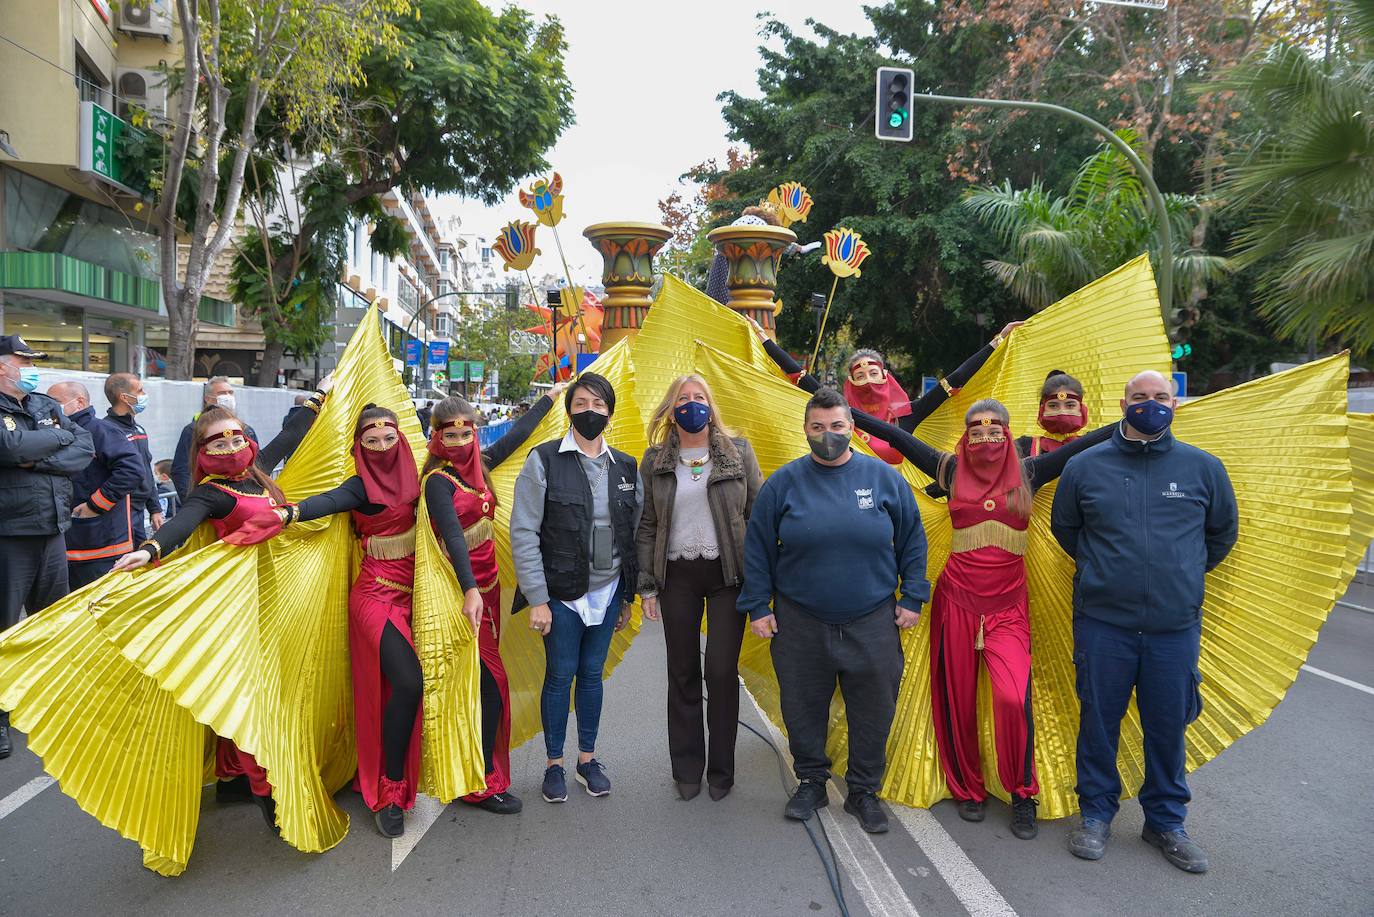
(925, 457)
(348, 496)
(1043, 468)
(439, 501)
(285, 443)
(924, 406)
(204, 502)
(515, 437)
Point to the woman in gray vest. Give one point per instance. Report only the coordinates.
(699, 486)
(572, 536)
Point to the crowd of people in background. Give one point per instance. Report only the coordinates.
(826, 559)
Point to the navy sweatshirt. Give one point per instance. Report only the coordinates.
(838, 541)
(1144, 522)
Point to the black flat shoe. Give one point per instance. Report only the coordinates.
(390, 821)
(972, 809)
(500, 803)
(237, 789)
(269, 812)
(6, 746)
(718, 792)
(688, 790)
(1023, 817)
(865, 807)
(809, 797)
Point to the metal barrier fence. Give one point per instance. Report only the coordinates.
(492, 432)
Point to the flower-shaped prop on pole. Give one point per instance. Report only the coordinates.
(545, 198)
(845, 250)
(515, 245)
(791, 202)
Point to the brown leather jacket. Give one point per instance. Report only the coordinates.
(730, 490)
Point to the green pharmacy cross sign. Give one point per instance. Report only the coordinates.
(101, 134)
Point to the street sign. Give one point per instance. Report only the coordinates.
(928, 383)
(585, 360)
(476, 369)
(413, 353)
(527, 344)
(101, 133)
(1180, 385)
(438, 353)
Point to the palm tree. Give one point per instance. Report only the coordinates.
(1304, 182)
(1057, 244)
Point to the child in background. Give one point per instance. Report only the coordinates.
(166, 490)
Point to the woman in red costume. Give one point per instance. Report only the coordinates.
(462, 505)
(234, 493)
(388, 684)
(1062, 417)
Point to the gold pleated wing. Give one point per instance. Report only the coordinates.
(451, 762)
(1361, 432)
(522, 650)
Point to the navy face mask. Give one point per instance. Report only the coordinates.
(1149, 417)
(692, 416)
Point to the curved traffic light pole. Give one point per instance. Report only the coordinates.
(1166, 237)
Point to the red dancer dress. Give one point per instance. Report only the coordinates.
(476, 508)
(380, 596)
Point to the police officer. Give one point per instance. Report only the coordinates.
(219, 391)
(125, 393)
(102, 515)
(40, 450)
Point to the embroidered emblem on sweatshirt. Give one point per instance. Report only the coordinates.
(865, 498)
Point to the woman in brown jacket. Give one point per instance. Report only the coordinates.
(699, 486)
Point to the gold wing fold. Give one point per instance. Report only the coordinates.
(1361, 432)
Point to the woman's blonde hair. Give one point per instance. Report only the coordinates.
(662, 423)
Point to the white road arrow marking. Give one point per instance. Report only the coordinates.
(418, 821)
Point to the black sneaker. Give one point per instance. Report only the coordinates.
(269, 812)
(592, 775)
(1178, 848)
(555, 787)
(391, 821)
(809, 797)
(865, 807)
(1089, 840)
(1023, 817)
(971, 809)
(6, 746)
(236, 789)
(500, 803)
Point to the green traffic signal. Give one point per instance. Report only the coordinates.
(1179, 351)
(896, 118)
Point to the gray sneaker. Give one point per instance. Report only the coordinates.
(1089, 840)
(1178, 848)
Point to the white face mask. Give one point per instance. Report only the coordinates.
(225, 401)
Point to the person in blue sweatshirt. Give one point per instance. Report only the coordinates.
(833, 537)
(1144, 518)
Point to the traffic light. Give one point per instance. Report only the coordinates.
(1180, 327)
(892, 112)
(1181, 350)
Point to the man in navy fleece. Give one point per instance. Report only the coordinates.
(1144, 517)
(832, 537)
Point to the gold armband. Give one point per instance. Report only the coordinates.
(944, 384)
(152, 547)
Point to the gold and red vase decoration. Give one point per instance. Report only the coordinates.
(627, 258)
(753, 252)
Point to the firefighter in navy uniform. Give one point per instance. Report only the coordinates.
(40, 450)
(125, 393)
(103, 493)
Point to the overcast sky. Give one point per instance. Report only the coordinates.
(665, 61)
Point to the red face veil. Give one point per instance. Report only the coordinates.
(234, 464)
(986, 470)
(1060, 424)
(872, 389)
(465, 459)
(389, 475)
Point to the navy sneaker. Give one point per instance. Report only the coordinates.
(1178, 848)
(593, 776)
(555, 784)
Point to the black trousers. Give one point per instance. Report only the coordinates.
(862, 656)
(33, 574)
(84, 572)
(690, 585)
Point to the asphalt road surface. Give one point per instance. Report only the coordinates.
(1283, 814)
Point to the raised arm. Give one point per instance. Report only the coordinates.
(444, 518)
(1041, 469)
(924, 406)
(519, 431)
(349, 495)
(285, 443)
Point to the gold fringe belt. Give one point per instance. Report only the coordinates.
(479, 533)
(988, 534)
(392, 547)
(392, 584)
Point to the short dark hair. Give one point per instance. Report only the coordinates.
(118, 384)
(596, 385)
(824, 399)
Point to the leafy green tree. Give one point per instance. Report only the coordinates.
(1055, 244)
(1303, 182)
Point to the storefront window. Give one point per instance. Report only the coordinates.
(53, 329)
(40, 217)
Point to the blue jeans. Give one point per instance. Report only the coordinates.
(574, 650)
(1162, 668)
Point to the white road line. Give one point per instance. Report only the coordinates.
(970, 886)
(418, 821)
(1338, 679)
(877, 886)
(24, 794)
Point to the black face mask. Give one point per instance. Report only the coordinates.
(829, 446)
(590, 424)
